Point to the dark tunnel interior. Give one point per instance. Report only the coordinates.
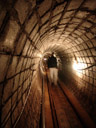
(30, 29)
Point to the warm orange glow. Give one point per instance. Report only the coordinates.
(40, 55)
(78, 66)
(75, 65)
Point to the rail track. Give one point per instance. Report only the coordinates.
(63, 114)
(59, 110)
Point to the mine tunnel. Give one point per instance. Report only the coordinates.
(31, 29)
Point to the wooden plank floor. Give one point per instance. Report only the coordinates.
(66, 116)
(48, 114)
(59, 111)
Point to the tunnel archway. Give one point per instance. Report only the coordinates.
(28, 28)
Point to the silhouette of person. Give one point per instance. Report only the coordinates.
(53, 70)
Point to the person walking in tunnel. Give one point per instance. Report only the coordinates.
(53, 70)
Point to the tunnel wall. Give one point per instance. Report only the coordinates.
(18, 67)
(31, 114)
(82, 85)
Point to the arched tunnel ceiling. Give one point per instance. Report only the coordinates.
(70, 24)
(67, 23)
